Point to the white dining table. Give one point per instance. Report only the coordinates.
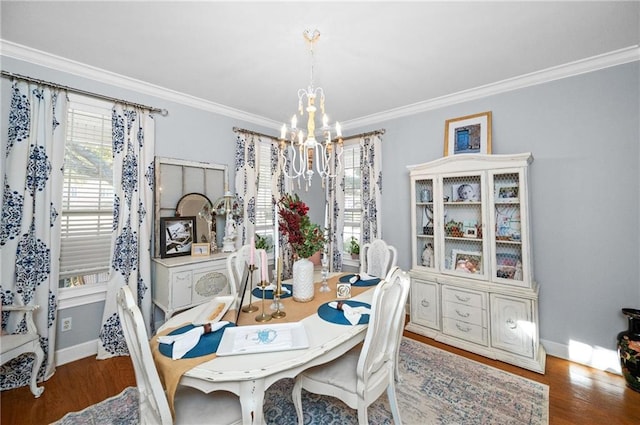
(249, 375)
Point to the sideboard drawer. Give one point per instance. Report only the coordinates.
(464, 330)
(464, 296)
(464, 313)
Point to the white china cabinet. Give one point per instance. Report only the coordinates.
(472, 281)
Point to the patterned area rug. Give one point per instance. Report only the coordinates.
(437, 387)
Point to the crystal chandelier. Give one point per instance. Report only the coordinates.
(299, 151)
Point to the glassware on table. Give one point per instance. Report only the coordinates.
(325, 273)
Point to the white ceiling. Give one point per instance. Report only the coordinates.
(372, 57)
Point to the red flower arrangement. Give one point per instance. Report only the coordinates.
(305, 237)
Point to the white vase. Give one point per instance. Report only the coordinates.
(303, 289)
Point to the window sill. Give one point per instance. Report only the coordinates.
(348, 261)
(78, 296)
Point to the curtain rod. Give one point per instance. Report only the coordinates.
(6, 74)
(255, 133)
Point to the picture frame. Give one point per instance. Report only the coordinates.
(468, 134)
(176, 236)
(466, 192)
(200, 249)
(506, 265)
(507, 192)
(466, 261)
(470, 232)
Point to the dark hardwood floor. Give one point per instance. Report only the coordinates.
(578, 394)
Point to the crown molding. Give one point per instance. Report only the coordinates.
(38, 57)
(616, 57)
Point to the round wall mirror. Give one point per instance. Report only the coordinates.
(199, 206)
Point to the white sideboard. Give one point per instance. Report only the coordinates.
(183, 282)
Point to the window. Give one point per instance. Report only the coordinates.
(87, 205)
(352, 194)
(264, 206)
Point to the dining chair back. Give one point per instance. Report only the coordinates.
(360, 376)
(17, 344)
(191, 405)
(237, 262)
(377, 258)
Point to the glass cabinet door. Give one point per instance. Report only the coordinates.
(425, 243)
(463, 242)
(507, 216)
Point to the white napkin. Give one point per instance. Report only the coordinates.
(352, 314)
(361, 276)
(184, 342)
(272, 287)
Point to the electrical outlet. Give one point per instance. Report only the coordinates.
(66, 324)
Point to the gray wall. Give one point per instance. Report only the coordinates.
(584, 134)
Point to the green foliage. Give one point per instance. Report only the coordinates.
(262, 242)
(354, 246)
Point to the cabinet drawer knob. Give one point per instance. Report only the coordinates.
(463, 299)
(425, 303)
(462, 314)
(462, 328)
(512, 324)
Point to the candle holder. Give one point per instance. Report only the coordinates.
(250, 308)
(277, 293)
(263, 317)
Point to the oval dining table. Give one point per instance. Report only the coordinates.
(249, 375)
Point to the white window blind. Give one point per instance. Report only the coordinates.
(264, 206)
(352, 194)
(87, 206)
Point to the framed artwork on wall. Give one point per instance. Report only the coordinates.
(176, 236)
(468, 134)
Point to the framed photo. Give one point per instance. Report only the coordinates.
(466, 192)
(466, 261)
(507, 192)
(176, 236)
(468, 134)
(470, 232)
(507, 265)
(200, 249)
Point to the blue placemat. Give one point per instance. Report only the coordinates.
(369, 282)
(208, 343)
(268, 295)
(333, 315)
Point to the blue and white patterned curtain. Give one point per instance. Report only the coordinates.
(33, 156)
(371, 175)
(371, 178)
(133, 173)
(247, 169)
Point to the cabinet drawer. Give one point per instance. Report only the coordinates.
(464, 296)
(467, 331)
(424, 303)
(464, 313)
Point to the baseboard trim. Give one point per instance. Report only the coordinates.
(76, 352)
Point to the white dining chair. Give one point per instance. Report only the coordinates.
(377, 258)
(191, 405)
(360, 376)
(237, 262)
(14, 345)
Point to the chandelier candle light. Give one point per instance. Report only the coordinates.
(300, 151)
